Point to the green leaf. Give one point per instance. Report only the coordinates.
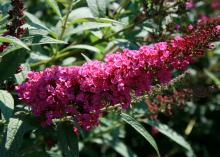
(68, 61)
(13, 127)
(174, 136)
(89, 26)
(35, 22)
(78, 13)
(10, 62)
(37, 153)
(116, 144)
(213, 77)
(41, 40)
(86, 57)
(16, 41)
(81, 46)
(98, 7)
(97, 33)
(66, 3)
(122, 149)
(6, 104)
(68, 141)
(140, 129)
(21, 77)
(92, 19)
(13, 137)
(55, 7)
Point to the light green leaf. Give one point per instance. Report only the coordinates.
(6, 104)
(97, 33)
(140, 129)
(81, 46)
(35, 22)
(68, 141)
(16, 41)
(78, 13)
(92, 19)
(55, 7)
(97, 7)
(68, 61)
(174, 136)
(86, 58)
(13, 127)
(89, 26)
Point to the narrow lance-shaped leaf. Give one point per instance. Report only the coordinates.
(213, 77)
(86, 57)
(141, 130)
(93, 19)
(89, 26)
(6, 104)
(55, 7)
(174, 136)
(14, 40)
(41, 40)
(35, 22)
(81, 46)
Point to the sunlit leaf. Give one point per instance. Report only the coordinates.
(14, 40)
(81, 46)
(55, 7)
(6, 104)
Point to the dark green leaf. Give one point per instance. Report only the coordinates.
(164, 129)
(141, 130)
(10, 62)
(122, 149)
(68, 141)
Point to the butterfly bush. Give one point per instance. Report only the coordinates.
(14, 26)
(83, 91)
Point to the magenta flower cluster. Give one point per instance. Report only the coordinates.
(82, 91)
